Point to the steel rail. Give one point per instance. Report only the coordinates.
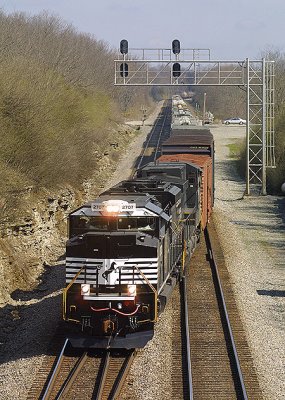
(183, 289)
(72, 376)
(122, 375)
(56, 370)
(151, 137)
(104, 372)
(159, 137)
(148, 141)
(228, 324)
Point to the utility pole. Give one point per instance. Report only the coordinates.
(143, 110)
(204, 108)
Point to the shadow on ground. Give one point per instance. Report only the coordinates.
(27, 328)
(271, 293)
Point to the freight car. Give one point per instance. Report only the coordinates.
(127, 248)
(194, 145)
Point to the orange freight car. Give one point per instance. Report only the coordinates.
(196, 147)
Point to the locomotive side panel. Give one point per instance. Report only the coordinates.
(206, 190)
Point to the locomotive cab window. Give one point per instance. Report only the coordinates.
(83, 224)
(127, 224)
(79, 225)
(146, 224)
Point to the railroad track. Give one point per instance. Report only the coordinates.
(221, 365)
(158, 134)
(85, 374)
(181, 361)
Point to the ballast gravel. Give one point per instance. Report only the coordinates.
(252, 234)
(251, 230)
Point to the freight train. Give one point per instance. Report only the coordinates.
(127, 248)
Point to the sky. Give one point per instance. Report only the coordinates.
(231, 29)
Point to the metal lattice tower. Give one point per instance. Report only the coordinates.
(154, 67)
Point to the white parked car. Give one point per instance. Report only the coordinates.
(236, 121)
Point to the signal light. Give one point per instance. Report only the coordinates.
(176, 70)
(176, 46)
(124, 46)
(124, 70)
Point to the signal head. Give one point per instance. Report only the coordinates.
(176, 70)
(176, 46)
(124, 46)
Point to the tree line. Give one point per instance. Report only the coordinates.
(58, 105)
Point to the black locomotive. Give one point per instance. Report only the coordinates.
(125, 252)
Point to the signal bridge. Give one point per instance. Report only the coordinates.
(194, 67)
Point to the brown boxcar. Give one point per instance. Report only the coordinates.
(194, 141)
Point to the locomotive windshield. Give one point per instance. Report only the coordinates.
(80, 224)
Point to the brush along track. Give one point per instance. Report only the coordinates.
(84, 374)
(215, 367)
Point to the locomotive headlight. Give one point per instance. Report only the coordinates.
(132, 290)
(85, 289)
(120, 306)
(112, 208)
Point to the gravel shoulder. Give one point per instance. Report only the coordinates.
(252, 235)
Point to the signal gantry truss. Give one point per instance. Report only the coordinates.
(193, 67)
